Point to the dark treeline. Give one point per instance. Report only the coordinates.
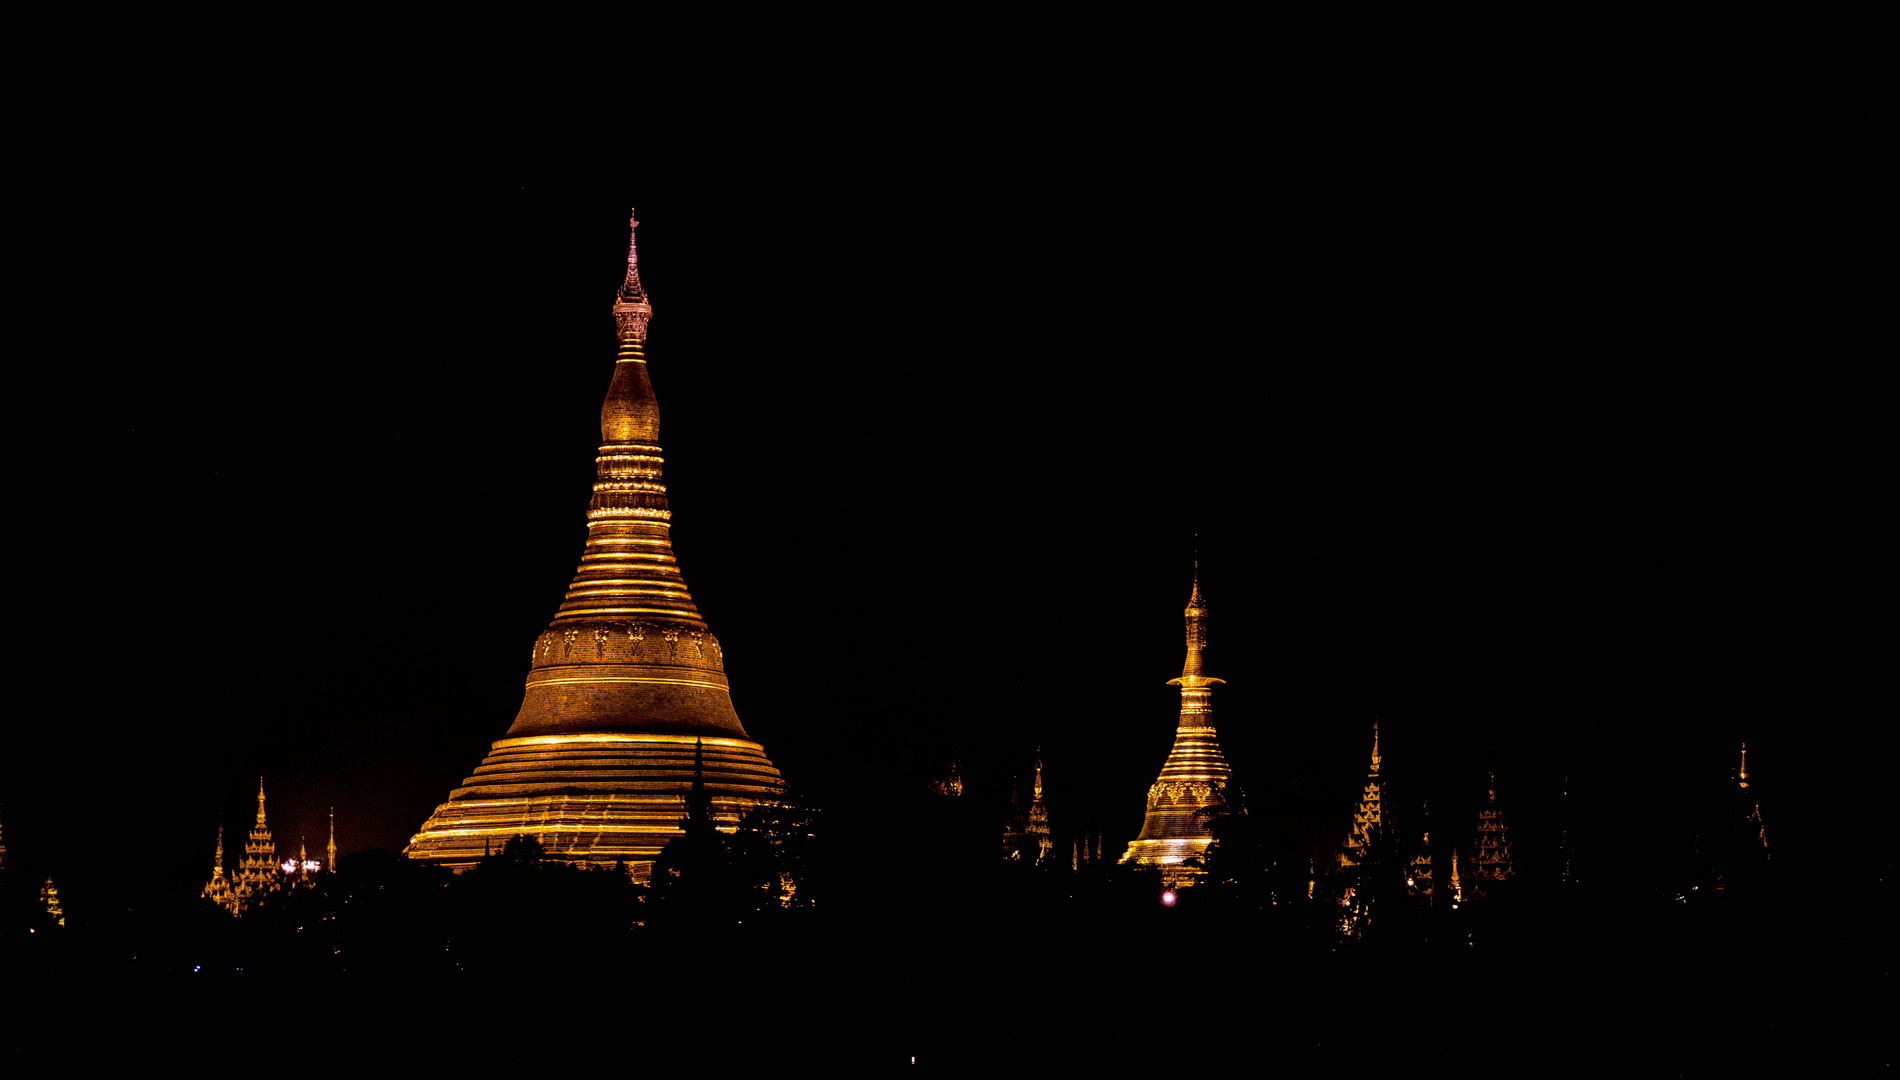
(793, 940)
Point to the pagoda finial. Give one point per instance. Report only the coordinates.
(631, 309)
(329, 855)
(217, 859)
(1492, 789)
(1375, 748)
(1742, 776)
(1038, 772)
(1196, 613)
(260, 800)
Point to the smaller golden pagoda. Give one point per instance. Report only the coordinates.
(1492, 864)
(1195, 777)
(218, 889)
(1367, 818)
(259, 867)
(49, 897)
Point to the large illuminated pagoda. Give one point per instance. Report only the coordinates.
(625, 682)
(1194, 780)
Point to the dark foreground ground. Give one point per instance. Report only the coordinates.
(1177, 993)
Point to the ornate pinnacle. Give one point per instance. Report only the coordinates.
(260, 800)
(631, 309)
(1196, 614)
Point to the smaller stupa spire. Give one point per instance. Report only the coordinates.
(217, 857)
(260, 800)
(1742, 775)
(1038, 772)
(329, 854)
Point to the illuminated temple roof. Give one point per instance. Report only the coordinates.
(1195, 777)
(623, 684)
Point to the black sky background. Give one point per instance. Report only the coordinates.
(1541, 444)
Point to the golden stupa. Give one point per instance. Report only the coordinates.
(624, 684)
(1194, 780)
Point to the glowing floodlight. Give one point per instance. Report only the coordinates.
(1168, 898)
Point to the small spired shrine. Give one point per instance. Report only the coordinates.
(259, 867)
(255, 872)
(624, 685)
(1492, 865)
(1368, 819)
(1194, 781)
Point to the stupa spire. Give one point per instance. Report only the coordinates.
(625, 681)
(1038, 829)
(218, 889)
(1368, 817)
(259, 866)
(329, 853)
(1195, 777)
(632, 310)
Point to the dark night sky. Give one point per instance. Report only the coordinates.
(1546, 451)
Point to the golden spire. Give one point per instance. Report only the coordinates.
(1196, 637)
(1743, 775)
(631, 308)
(1368, 817)
(631, 414)
(217, 858)
(329, 861)
(1038, 827)
(260, 800)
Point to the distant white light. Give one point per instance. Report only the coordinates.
(1168, 898)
